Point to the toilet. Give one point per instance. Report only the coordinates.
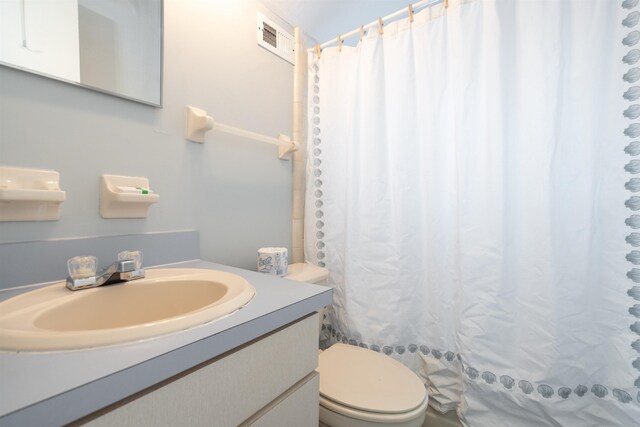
(360, 387)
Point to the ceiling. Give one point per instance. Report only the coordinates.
(325, 19)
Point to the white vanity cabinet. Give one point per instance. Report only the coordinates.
(270, 381)
(255, 366)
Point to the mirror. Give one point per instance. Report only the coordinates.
(112, 46)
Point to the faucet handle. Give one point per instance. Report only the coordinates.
(82, 272)
(135, 256)
(82, 267)
(130, 265)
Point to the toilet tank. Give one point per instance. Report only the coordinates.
(304, 272)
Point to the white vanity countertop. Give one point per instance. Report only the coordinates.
(55, 388)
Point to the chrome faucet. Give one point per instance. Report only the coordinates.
(82, 271)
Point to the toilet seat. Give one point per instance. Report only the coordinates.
(375, 417)
(366, 385)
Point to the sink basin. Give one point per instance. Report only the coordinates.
(165, 301)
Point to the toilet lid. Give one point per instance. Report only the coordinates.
(304, 272)
(369, 381)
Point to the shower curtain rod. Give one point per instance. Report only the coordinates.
(414, 8)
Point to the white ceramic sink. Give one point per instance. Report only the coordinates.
(165, 301)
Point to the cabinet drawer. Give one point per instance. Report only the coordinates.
(227, 390)
(298, 407)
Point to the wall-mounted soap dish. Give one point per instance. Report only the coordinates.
(30, 194)
(125, 197)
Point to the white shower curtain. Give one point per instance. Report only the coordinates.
(466, 190)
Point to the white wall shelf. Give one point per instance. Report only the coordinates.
(125, 197)
(30, 194)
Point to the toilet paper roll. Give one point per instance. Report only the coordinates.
(273, 261)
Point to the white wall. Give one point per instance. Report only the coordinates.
(236, 192)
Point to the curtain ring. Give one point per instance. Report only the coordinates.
(380, 24)
(318, 50)
(339, 43)
(361, 32)
(410, 13)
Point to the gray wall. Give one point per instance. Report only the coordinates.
(235, 191)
